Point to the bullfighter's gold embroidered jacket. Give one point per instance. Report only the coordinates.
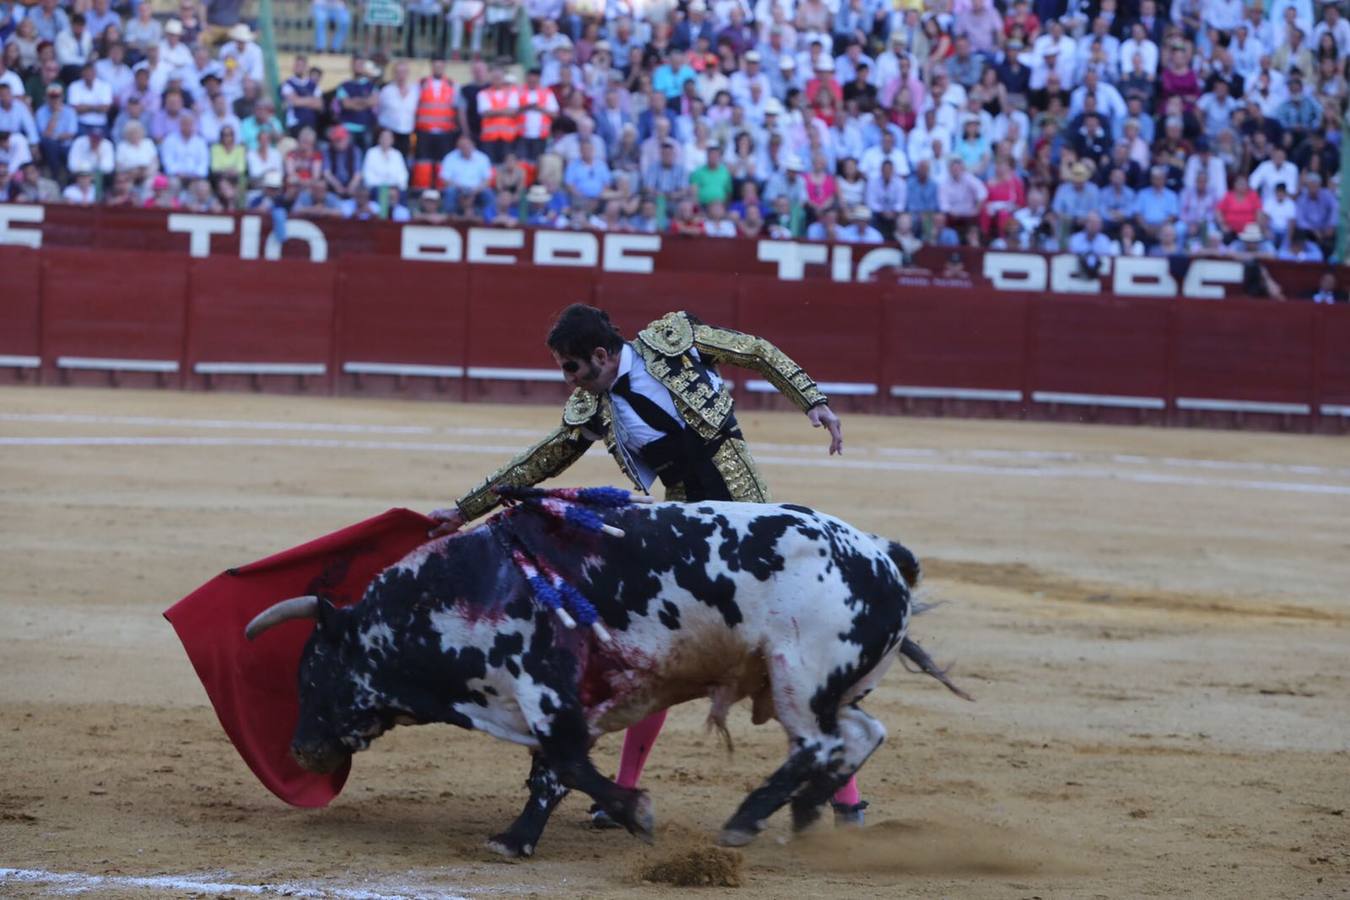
(665, 347)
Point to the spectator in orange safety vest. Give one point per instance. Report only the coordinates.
(538, 108)
(498, 108)
(437, 121)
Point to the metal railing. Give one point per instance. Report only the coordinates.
(421, 36)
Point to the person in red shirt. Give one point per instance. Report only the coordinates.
(1239, 207)
(1022, 15)
(825, 80)
(305, 163)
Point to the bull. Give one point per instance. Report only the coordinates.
(793, 608)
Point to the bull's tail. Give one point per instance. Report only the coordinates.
(911, 650)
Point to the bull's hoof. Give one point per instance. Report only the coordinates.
(644, 820)
(506, 846)
(601, 820)
(849, 816)
(735, 837)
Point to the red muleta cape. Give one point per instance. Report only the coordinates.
(253, 685)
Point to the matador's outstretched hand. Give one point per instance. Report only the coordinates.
(822, 415)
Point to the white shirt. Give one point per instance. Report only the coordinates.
(135, 156)
(175, 56)
(631, 431)
(117, 76)
(18, 152)
(258, 167)
(98, 94)
(73, 194)
(873, 157)
(397, 110)
(211, 122)
(1341, 34)
(1146, 49)
(381, 168)
(471, 173)
(1279, 214)
(535, 118)
(73, 51)
(724, 228)
(249, 59)
(186, 157)
(82, 158)
(1267, 175)
(920, 142)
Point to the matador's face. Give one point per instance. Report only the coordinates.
(596, 374)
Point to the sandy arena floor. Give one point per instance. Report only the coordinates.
(1155, 624)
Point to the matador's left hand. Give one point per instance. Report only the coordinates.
(823, 415)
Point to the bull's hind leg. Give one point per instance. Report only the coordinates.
(801, 766)
(546, 792)
(813, 744)
(862, 735)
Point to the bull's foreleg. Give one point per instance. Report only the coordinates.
(564, 742)
(546, 792)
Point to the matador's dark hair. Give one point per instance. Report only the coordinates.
(580, 329)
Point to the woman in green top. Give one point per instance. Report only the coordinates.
(228, 159)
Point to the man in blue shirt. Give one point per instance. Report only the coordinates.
(1116, 203)
(586, 178)
(921, 194)
(57, 127)
(1157, 205)
(670, 76)
(1316, 212)
(1074, 200)
(1091, 240)
(14, 115)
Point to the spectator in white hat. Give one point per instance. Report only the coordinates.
(173, 53)
(246, 55)
(752, 72)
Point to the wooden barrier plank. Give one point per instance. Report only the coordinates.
(20, 314)
(113, 316)
(261, 325)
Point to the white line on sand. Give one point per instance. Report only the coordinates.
(456, 431)
(78, 882)
(888, 465)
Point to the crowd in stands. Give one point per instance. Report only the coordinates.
(1100, 127)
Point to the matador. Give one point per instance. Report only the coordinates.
(665, 413)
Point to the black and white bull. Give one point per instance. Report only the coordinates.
(791, 607)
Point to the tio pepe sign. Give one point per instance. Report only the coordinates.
(21, 225)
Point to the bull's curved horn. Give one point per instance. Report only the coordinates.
(306, 607)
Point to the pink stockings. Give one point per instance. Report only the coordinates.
(637, 746)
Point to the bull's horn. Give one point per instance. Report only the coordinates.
(306, 607)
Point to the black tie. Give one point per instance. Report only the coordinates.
(647, 409)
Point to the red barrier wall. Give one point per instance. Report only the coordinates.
(378, 326)
(260, 313)
(20, 306)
